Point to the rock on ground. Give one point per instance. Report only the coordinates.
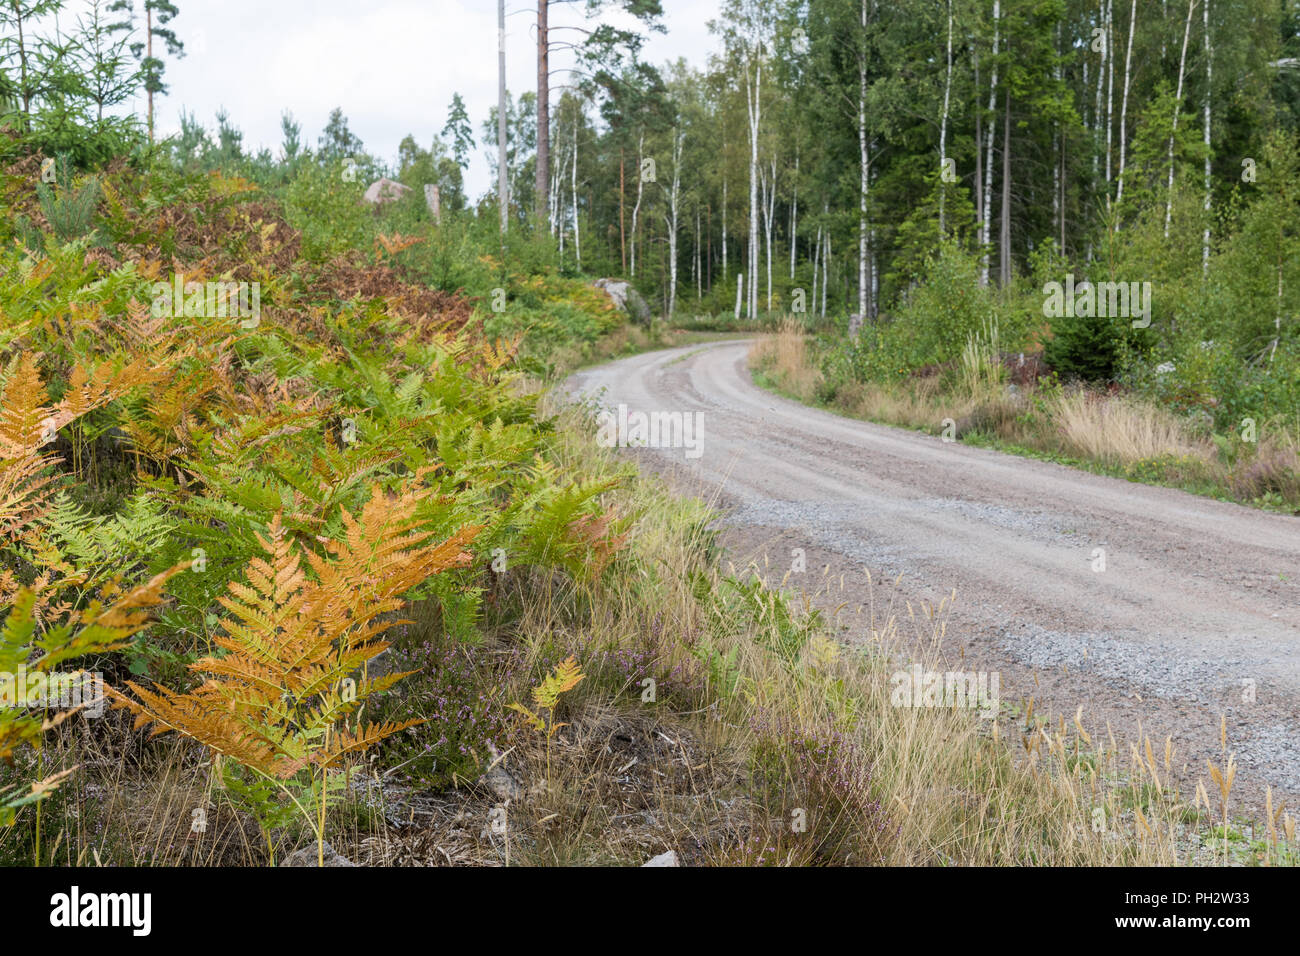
(308, 856)
(663, 859)
(499, 780)
(623, 295)
(384, 190)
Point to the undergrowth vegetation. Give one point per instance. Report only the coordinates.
(354, 583)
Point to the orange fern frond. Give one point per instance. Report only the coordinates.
(395, 243)
(272, 699)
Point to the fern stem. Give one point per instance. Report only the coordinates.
(40, 775)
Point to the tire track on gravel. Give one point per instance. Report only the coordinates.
(1197, 597)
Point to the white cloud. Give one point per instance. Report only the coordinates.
(391, 65)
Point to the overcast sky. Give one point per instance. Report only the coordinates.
(392, 65)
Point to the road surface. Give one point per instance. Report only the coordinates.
(1195, 615)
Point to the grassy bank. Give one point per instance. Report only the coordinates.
(374, 590)
(1108, 431)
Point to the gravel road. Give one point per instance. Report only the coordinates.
(1197, 599)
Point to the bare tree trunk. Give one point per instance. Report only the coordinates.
(943, 130)
(873, 307)
(708, 259)
(1209, 93)
(864, 167)
(623, 236)
(794, 213)
(769, 211)
(699, 272)
(1061, 159)
(826, 270)
(979, 152)
(754, 103)
(502, 173)
(557, 174)
(543, 109)
(1110, 89)
(577, 236)
(724, 229)
(1005, 237)
(671, 220)
(553, 196)
(986, 237)
(1123, 110)
(1058, 197)
(1178, 108)
(640, 188)
(148, 40)
(816, 263)
(1101, 84)
(22, 74)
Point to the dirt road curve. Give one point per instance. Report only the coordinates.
(1198, 598)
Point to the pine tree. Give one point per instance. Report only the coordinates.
(157, 14)
(458, 131)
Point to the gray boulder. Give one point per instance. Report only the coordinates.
(663, 859)
(308, 856)
(623, 295)
(385, 190)
(500, 780)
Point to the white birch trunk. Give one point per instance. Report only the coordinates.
(794, 214)
(1123, 109)
(670, 220)
(754, 105)
(724, 229)
(864, 182)
(768, 211)
(1101, 85)
(986, 233)
(816, 264)
(1178, 108)
(826, 271)
(1110, 90)
(573, 185)
(943, 129)
(640, 188)
(1209, 92)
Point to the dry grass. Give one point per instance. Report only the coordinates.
(898, 785)
(767, 743)
(912, 408)
(1119, 431)
(1116, 431)
(784, 356)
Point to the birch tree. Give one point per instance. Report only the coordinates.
(1123, 109)
(987, 214)
(1209, 92)
(943, 128)
(640, 192)
(1178, 109)
(671, 217)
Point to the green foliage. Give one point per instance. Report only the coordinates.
(933, 324)
(1085, 347)
(328, 210)
(70, 212)
(550, 311)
